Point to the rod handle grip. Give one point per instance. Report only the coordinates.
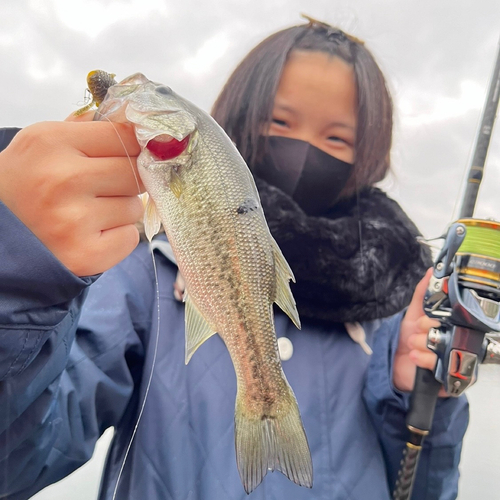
(423, 400)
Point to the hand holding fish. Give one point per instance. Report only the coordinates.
(412, 350)
(72, 184)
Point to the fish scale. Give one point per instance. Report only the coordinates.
(205, 196)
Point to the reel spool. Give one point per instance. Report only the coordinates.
(464, 294)
(478, 258)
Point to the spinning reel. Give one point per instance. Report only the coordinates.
(464, 294)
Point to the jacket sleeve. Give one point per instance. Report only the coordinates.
(6, 135)
(65, 374)
(437, 474)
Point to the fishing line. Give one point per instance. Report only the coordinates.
(148, 386)
(157, 337)
(482, 239)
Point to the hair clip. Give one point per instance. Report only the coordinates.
(331, 30)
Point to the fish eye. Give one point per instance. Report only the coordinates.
(163, 89)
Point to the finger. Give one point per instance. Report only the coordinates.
(113, 176)
(122, 240)
(415, 309)
(424, 359)
(424, 323)
(117, 211)
(109, 249)
(179, 287)
(418, 342)
(442, 393)
(100, 138)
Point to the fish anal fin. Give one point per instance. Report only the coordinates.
(197, 328)
(284, 297)
(152, 221)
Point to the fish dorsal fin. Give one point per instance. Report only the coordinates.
(284, 297)
(152, 221)
(197, 328)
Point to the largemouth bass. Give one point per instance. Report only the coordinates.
(204, 194)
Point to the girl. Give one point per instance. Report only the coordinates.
(310, 112)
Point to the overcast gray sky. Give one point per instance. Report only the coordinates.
(438, 56)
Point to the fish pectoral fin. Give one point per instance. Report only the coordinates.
(176, 184)
(152, 221)
(197, 328)
(284, 297)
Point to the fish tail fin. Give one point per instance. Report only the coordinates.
(274, 441)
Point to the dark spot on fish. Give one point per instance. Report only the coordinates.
(164, 90)
(249, 205)
(267, 398)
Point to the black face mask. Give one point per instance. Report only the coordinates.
(313, 178)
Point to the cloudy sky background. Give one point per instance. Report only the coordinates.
(438, 57)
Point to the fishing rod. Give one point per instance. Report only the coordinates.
(464, 294)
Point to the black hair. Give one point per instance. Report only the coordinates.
(245, 104)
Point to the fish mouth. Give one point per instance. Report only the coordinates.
(165, 147)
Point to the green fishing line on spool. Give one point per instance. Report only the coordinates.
(481, 240)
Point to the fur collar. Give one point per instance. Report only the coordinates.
(361, 261)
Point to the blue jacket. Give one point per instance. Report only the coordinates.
(77, 355)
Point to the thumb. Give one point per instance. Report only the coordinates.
(416, 309)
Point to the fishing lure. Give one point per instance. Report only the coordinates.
(98, 82)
